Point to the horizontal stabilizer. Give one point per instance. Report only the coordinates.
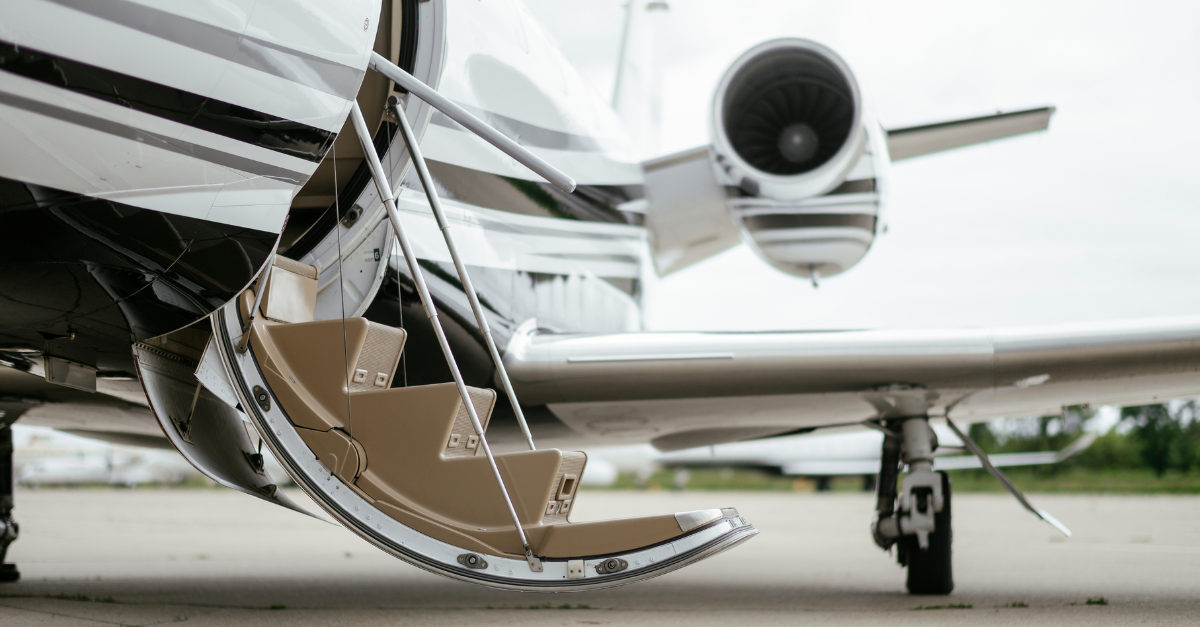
(836, 467)
(958, 462)
(914, 141)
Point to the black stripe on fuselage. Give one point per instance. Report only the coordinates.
(591, 203)
(207, 114)
(162, 142)
(508, 227)
(810, 220)
(859, 186)
(268, 57)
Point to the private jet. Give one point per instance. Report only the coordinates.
(227, 226)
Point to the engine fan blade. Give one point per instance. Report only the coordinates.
(1004, 480)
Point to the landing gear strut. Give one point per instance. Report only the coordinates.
(8, 526)
(917, 519)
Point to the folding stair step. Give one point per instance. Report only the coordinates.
(413, 452)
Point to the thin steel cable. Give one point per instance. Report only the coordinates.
(435, 205)
(399, 293)
(337, 228)
(400, 306)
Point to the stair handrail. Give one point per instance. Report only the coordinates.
(385, 192)
(485, 132)
(414, 149)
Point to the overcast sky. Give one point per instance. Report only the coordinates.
(1096, 219)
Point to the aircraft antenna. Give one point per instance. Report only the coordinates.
(622, 53)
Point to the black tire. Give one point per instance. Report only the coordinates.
(9, 573)
(930, 571)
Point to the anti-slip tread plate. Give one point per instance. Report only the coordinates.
(380, 355)
(483, 400)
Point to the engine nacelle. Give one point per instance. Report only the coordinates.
(800, 157)
(795, 168)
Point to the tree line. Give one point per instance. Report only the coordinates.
(1160, 437)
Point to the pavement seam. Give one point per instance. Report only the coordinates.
(185, 618)
(33, 611)
(52, 597)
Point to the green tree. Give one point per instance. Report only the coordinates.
(983, 436)
(1156, 431)
(1187, 442)
(1111, 450)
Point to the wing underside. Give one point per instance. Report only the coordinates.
(679, 390)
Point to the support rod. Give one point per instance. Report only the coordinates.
(385, 192)
(1004, 480)
(435, 203)
(472, 123)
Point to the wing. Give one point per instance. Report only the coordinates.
(696, 389)
(117, 413)
(914, 141)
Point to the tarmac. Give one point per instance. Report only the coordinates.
(216, 557)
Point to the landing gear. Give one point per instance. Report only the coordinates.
(917, 518)
(929, 569)
(8, 526)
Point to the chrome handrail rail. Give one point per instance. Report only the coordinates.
(385, 192)
(410, 140)
(472, 123)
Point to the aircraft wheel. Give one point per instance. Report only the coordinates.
(929, 571)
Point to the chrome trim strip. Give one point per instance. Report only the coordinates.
(665, 357)
(590, 257)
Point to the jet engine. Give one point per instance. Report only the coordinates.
(787, 121)
(791, 143)
(796, 159)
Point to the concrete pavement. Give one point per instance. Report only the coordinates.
(216, 557)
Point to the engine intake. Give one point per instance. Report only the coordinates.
(787, 120)
(788, 111)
